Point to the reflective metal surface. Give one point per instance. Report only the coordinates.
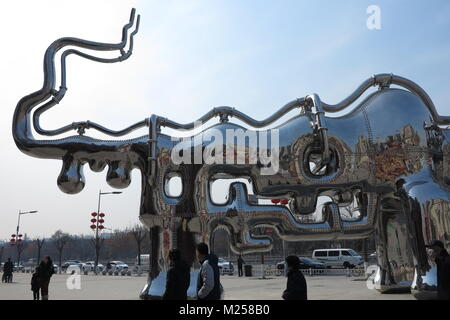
(384, 165)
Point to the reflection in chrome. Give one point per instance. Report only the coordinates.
(385, 167)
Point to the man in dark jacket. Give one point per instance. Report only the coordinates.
(178, 278)
(46, 270)
(240, 263)
(8, 269)
(442, 259)
(208, 283)
(296, 283)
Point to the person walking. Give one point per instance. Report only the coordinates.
(178, 277)
(296, 283)
(35, 285)
(442, 259)
(8, 269)
(240, 263)
(46, 271)
(208, 284)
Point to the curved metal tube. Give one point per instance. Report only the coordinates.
(21, 121)
(384, 80)
(81, 126)
(225, 112)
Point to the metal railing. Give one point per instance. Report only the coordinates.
(261, 271)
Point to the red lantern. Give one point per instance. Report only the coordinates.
(93, 220)
(12, 244)
(12, 240)
(93, 226)
(13, 235)
(101, 227)
(284, 201)
(19, 240)
(275, 201)
(20, 236)
(101, 215)
(94, 214)
(101, 220)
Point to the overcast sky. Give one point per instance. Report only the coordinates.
(191, 56)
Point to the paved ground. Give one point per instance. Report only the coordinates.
(128, 288)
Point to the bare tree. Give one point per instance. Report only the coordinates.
(60, 241)
(139, 233)
(39, 245)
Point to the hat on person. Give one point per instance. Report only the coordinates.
(435, 243)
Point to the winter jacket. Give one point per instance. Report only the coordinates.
(35, 284)
(8, 267)
(296, 286)
(208, 284)
(177, 282)
(46, 270)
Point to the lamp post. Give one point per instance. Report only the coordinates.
(17, 238)
(97, 224)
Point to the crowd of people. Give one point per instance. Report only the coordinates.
(208, 282)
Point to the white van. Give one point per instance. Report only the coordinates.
(145, 262)
(346, 258)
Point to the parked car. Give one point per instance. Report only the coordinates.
(68, 263)
(30, 263)
(347, 258)
(90, 265)
(119, 265)
(305, 263)
(225, 267)
(18, 267)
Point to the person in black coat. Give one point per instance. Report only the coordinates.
(240, 263)
(8, 269)
(178, 277)
(35, 284)
(46, 270)
(296, 283)
(442, 259)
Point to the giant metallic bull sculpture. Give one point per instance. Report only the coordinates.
(386, 163)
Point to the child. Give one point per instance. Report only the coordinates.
(35, 287)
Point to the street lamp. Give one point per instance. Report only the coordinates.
(97, 224)
(16, 239)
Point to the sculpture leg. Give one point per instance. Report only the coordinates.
(426, 205)
(177, 227)
(395, 264)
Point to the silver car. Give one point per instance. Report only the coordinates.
(225, 267)
(90, 265)
(119, 265)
